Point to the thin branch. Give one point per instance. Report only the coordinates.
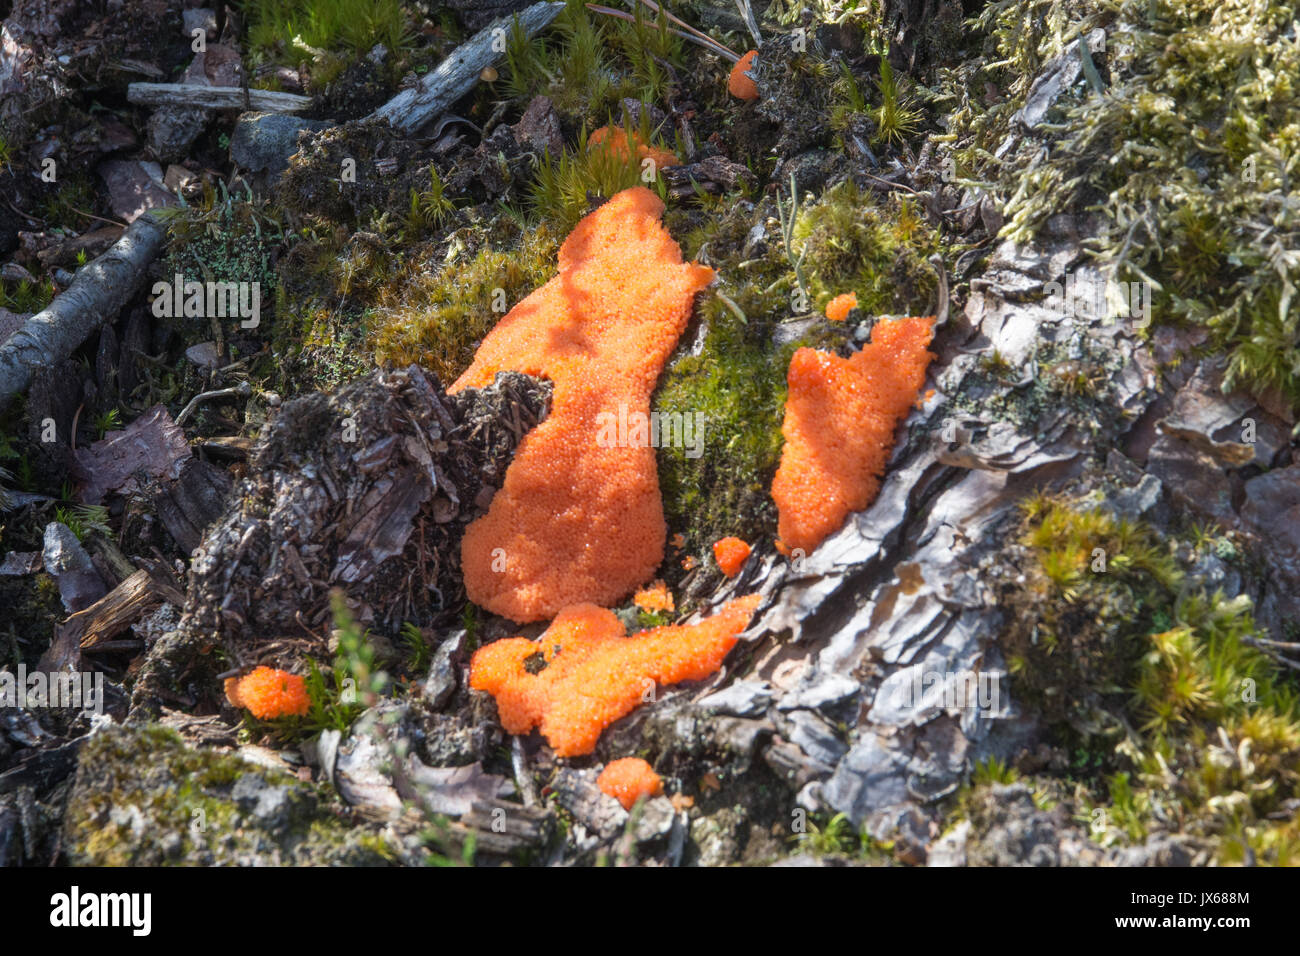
(710, 46)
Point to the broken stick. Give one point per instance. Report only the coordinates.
(455, 76)
(215, 97)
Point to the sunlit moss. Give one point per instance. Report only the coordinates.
(437, 317)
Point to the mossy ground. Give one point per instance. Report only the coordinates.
(1167, 715)
(1188, 148)
(143, 798)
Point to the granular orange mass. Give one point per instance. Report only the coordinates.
(738, 84)
(838, 308)
(579, 520)
(594, 674)
(628, 780)
(656, 597)
(615, 140)
(267, 693)
(840, 417)
(731, 555)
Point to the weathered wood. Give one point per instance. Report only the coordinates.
(215, 97)
(97, 294)
(193, 501)
(119, 609)
(455, 76)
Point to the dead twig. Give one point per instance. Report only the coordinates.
(242, 390)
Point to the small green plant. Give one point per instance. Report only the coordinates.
(430, 208)
(834, 838)
(83, 519)
(330, 31)
(421, 652)
(562, 189)
(353, 684)
(993, 771)
(895, 118)
(24, 296)
(108, 421)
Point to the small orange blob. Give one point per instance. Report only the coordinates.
(840, 417)
(690, 562)
(579, 518)
(267, 693)
(731, 555)
(838, 308)
(656, 597)
(628, 780)
(615, 140)
(591, 674)
(738, 84)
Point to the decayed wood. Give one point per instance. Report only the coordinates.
(215, 97)
(119, 609)
(97, 293)
(455, 76)
(96, 626)
(193, 501)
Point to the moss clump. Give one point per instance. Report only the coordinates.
(1195, 727)
(738, 386)
(22, 296)
(225, 238)
(438, 317)
(587, 64)
(1098, 582)
(141, 797)
(563, 189)
(328, 32)
(850, 243)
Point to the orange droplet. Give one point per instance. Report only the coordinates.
(738, 84)
(267, 693)
(731, 555)
(629, 779)
(838, 308)
(656, 597)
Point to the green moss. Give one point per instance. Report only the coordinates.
(1159, 687)
(22, 296)
(563, 189)
(1189, 151)
(224, 238)
(69, 206)
(738, 385)
(328, 31)
(850, 243)
(438, 318)
(142, 797)
(586, 63)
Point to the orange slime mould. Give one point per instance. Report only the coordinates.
(840, 418)
(579, 520)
